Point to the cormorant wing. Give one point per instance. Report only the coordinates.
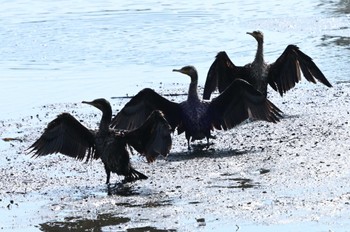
(239, 102)
(65, 135)
(221, 74)
(139, 108)
(153, 138)
(284, 73)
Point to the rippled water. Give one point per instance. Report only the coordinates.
(68, 51)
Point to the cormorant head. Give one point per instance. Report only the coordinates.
(258, 35)
(188, 70)
(101, 104)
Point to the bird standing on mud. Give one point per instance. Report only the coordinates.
(68, 136)
(282, 75)
(196, 117)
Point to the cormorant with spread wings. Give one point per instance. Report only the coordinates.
(196, 117)
(282, 75)
(68, 136)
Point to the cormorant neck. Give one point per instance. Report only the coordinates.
(192, 91)
(259, 57)
(106, 119)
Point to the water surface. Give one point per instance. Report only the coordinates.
(68, 51)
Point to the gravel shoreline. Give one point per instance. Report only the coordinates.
(293, 174)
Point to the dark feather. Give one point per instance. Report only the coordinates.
(239, 102)
(222, 73)
(152, 138)
(67, 136)
(137, 110)
(284, 73)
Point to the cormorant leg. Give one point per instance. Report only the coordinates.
(108, 172)
(210, 137)
(188, 144)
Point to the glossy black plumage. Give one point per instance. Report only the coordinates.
(282, 75)
(68, 136)
(196, 117)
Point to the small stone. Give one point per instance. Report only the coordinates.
(201, 221)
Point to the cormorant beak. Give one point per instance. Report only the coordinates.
(92, 103)
(89, 103)
(179, 70)
(100, 103)
(256, 34)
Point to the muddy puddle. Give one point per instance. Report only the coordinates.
(103, 222)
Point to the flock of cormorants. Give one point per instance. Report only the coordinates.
(146, 122)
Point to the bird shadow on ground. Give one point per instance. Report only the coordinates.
(196, 153)
(288, 116)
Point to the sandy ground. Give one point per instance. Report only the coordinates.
(290, 176)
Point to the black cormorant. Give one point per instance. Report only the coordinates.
(196, 117)
(282, 75)
(68, 136)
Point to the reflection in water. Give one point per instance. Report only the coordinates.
(343, 7)
(121, 190)
(83, 224)
(342, 41)
(339, 7)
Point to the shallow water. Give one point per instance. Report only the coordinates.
(61, 52)
(64, 51)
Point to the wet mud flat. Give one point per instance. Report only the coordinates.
(290, 176)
